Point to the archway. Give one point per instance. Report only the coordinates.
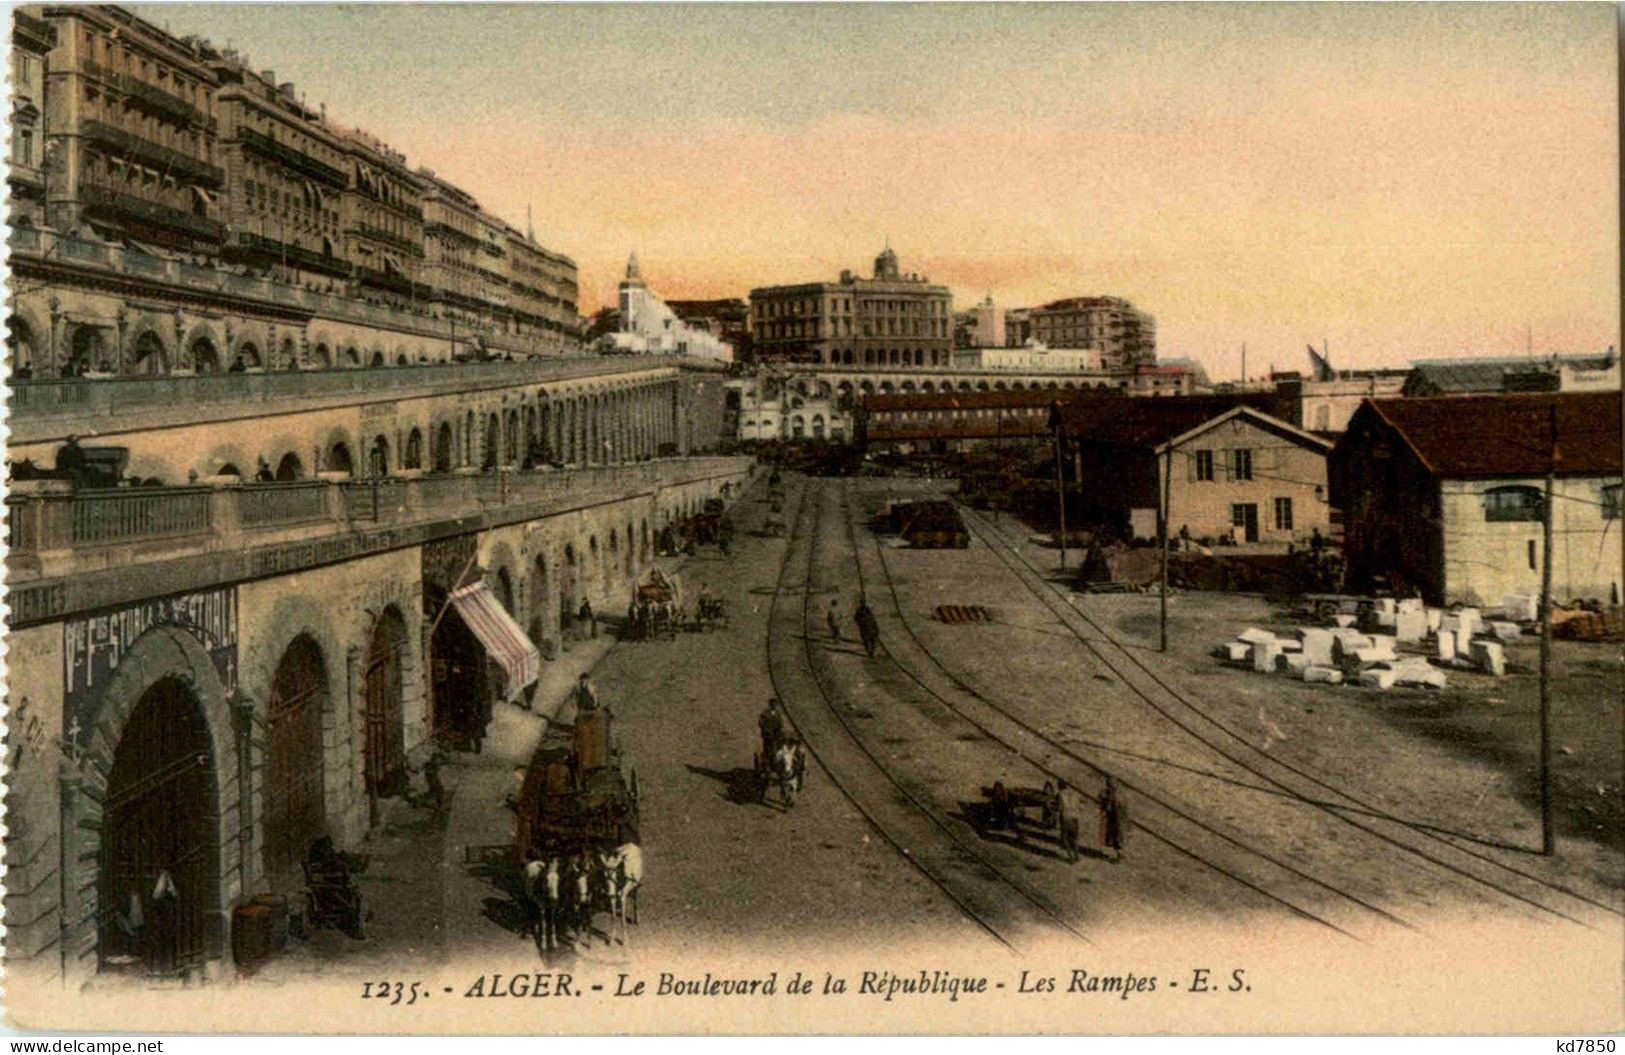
(203, 357)
(457, 660)
(377, 358)
(86, 352)
(290, 468)
(442, 448)
(295, 813)
(248, 356)
(594, 564)
(321, 357)
(540, 596)
(631, 552)
(818, 426)
(413, 458)
(20, 347)
(158, 879)
(351, 356)
(488, 457)
(504, 589)
(612, 559)
(384, 739)
(567, 591)
(148, 356)
(338, 459)
(378, 457)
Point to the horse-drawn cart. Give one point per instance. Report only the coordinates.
(576, 797)
(1024, 811)
(656, 608)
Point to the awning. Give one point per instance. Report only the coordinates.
(501, 636)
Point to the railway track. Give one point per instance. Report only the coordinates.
(1527, 893)
(1157, 815)
(1004, 908)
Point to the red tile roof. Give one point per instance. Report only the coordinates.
(1152, 420)
(1509, 434)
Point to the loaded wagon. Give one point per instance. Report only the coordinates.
(576, 797)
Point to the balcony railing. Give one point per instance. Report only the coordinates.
(60, 524)
(182, 165)
(268, 147)
(98, 195)
(159, 99)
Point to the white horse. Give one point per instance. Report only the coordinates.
(542, 883)
(622, 872)
(789, 767)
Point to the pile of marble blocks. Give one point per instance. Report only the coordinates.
(1332, 657)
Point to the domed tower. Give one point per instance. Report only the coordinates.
(886, 265)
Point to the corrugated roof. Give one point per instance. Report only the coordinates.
(1509, 434)
(1452, 376)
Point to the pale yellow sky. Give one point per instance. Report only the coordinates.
(1401, 180)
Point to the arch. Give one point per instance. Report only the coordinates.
(489, 453)
(631, 550)
(202, 356)
(338, 458)
(289, 353)
(161, 733)
(612, 558)
(383, 744)
(86, 351)
(377, 358)
(378, 456)
(510, 447)
(908, 386)
(413, 458)
(503, 588)
(964, 386)
(540, 595)
(468, 438)
(866, 387)
(161, 792)
(321, 357)
(294, 808)
(442, 454)
(568, 587)
(247, 357)
(350, 356)
(981, 386)
(928, 386)
(290, 468)
(886, 388)
(798, 427)
(21, 349)
(229, 469)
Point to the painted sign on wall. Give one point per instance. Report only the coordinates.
(93, 647)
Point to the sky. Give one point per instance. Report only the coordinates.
(1391, 181)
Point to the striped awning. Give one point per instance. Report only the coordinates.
(501, 636)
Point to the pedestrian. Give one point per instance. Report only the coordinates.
(431, 776)
(1111, 821)
(586, 698)
(586, 616)
(832, 622)
(1316, 543)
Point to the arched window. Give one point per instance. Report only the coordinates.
(1511, 504)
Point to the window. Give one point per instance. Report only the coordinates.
(1512, 504)
(1204, 465)
(25, 149)
(1283, 514)
(1610, 502)
(1241, 463)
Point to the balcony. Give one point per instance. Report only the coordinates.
(102, 197)
(378, 234)
(61, 532)
(182, 165)
(259, 247)
(267, 147)
(158, 99)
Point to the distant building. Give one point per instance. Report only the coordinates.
(1578, 373)
(728, 319)
(943, 421)
(648, 326)
(892, 319)
(1172, 377)
(1033, 358)
(1444, 495)
(1018, 327)
(1327, 398)
(980, 327)
(1236, 469)
(799, 408)
(1126, 336)
(31, 41)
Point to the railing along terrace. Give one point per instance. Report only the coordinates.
(46, 245)
(65, 520)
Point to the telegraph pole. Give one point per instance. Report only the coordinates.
(1162, 526)
(1060, 495)
(1548, 839)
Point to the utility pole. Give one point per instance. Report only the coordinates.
(1548, 839)
(1060, 495)
(1162, 526)
(1244, 365)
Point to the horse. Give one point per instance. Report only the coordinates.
(581, 898)
(621, 871)
(542, 884)
(788, 768)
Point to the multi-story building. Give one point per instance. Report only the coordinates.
(1126, 336)
(382, 219)
(892, 319)
(1018, 327)
(541, 290)
(286, 177)
(462, 253)
(1033, 358)
(31, 41)
(728, 318)
(130, 131)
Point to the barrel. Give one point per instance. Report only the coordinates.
(253, 936)
(280, 911)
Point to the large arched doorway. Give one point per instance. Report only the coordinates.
(338, 459)
(378, 457)
(457, 663)
(20, 347)
(202, 356)
(413, 459)
(384, 743)
(567, 591)
(290, 468)
(159, 868)
(295, 804)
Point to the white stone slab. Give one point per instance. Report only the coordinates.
(1294, 663)
(1323, 675)
(1253, 635)
(1264, 653)
(1435, 617)
(1343, 621)
(1445, 647)
(1411, 626)
(1317, 644)
(1506, 631)
(1489, 657)
(1377, 678)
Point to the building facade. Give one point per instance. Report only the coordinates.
(1126, 336)
(981, 326)
(1032, 358)
(892, 319)
(646, 325)
(32, 39)
(1445, 496)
